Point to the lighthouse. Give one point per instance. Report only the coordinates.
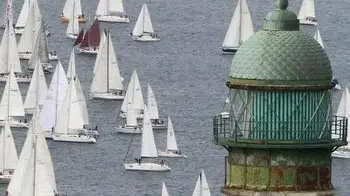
(280, 131)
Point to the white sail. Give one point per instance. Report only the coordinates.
(318, 38)
(152, 104)
(102, 8)
(9, 58)
(100, 53)
(8, 152)
(131, 119)
(240, 28)
(143, 23)
(68, 5)
(307, 9)
(133, 94)
(40, 48)
(171, 139)
(344, 110)
(31, 29)
(37, 88)
(106, 78)
(148, 146)
(82, 101)
(54, 98)
(70, 118)
(71, 65)
(115, 7)
(11, 102)
(23, 15)
(202, 187)
(73, 24)
(164, 190)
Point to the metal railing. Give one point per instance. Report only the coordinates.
(332, 132)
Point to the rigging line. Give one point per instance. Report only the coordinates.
(127, 152)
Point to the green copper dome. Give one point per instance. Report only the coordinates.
(281, 56)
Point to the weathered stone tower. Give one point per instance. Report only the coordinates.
(280, 132)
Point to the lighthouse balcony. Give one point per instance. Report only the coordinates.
(282, 134)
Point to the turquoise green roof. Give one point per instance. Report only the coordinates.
(281, 55)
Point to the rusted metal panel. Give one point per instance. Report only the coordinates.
(282, 179)
(325, 177)
(237, 176)
(257, 178)
(307, 178)
(258, 157)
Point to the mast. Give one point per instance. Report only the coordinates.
(70, 103)
(3, 148)
(107, 62)
(34, 162)
(143, 15)
(240, 23)
(57, 86)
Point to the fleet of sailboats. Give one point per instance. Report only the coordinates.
(307, 13)
(143, 30)
(240, 29)
(107, 81)
(111, 11)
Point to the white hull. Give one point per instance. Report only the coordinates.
(171, 154)
(88, 50)
(344, 154)
(132, 130)
(122, 19)
(109, 95)
(307, 22)
(53, 57)
(123, 115)
(159, 126)
(5, 179)
(71, 36)
(145, 38)
(337, 87)
(19, 79)
(48, 134)
(26, 56)
(47, 68)
(29, 110)
(229, 50)
(146, 167)
(15, 123)
(19, 31)
(74, 138)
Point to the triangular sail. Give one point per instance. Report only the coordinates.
(202, 187)
(143, 23)
(171, 139)
(9, 58)
(102, 8)
(241, 26)
(68, 5)
(92, 36)
(318, 38)
(8, 152)
(71, 65)
(37, 88)
(133, 94)
(11, 102)
(344, 110)
(148, 146)
(23, 15)
(79, 38)
(115, 7)
(131, 119)
(73, 24)
(307, 9)
(54, 98)
(152, 104)
(101, 54)
(164, 190)
(82, 101)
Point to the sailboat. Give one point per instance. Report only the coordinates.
(143, 30)
(164, 190)
(37, 89)
(157, 123)
(131, 125)
(107, 81)
(91, 40)
(148, 150)
(71, 66)
(172, 150)
(11, 105)
(134, 97)
(8, 14)
(73, 25)
(40, 53)
(318, 38)
(71, 120)
(53, 100)
(8, 154)
(240, 29)
(79, 38)
(22, 18)
(344, 110)
(202, 187)
(9, 58)
(307, 14)
(65, 16)
(34, 174)
(111, 11)
(225, 113)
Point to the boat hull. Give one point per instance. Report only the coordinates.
(340, 153)
(145, 38)
(66, 20)
(74, 138)
(307, 22)
(47, 68)
(19, 79)
(19, 31)
(159, 126)
(15, 123)
(130, 130)
(171, 154)
(71, 36)
(27, 55)
(146, 167)
(5, 179)
(138, 116)
(227, 50)
(107, 18)
(88, 50)
(109, 96)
